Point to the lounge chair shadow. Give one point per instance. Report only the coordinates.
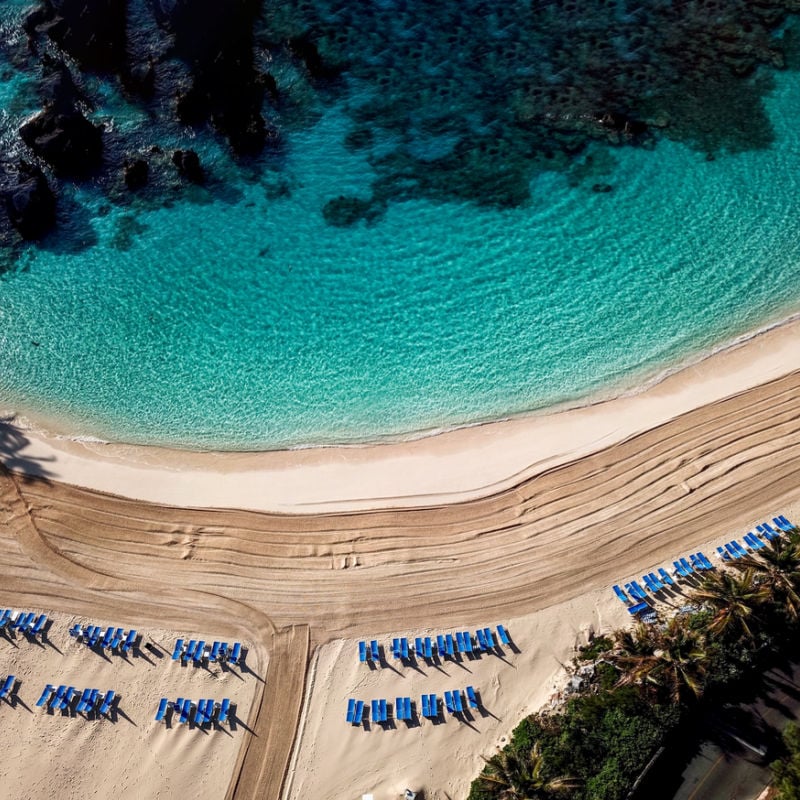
(119, 712)
(227, 668)
(387, 665)
(466, 719)
(15, 700)
(139, 653)
(245, 668)
(217, 728)
(414, 664)
(235, 722)
(155, 649)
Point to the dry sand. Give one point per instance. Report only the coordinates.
(125, 753)
(552, 518)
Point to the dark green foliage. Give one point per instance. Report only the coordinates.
(786, 771)
(638, 701)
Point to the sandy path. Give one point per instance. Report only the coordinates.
(568, 531)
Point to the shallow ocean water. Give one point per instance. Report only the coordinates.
(241, 319)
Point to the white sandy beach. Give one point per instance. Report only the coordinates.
(451, 467)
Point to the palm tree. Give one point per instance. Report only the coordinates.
(777, 567)
(670, 660)
(516, 776)
(734, 599)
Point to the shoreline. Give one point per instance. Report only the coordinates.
(456, 465)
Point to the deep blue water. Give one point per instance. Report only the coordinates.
(237, 317)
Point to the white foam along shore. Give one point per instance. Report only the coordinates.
(449, 467)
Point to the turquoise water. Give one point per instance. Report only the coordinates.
(247, 322)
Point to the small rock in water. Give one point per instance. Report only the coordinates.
(136, 173)
(602, 188)
(188, 164)
(30, 203)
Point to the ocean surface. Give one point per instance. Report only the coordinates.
(236, 316)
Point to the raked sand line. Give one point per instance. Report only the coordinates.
(451, 467)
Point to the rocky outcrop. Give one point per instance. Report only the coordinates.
(29, 202)
(136, 173)
(66, 140)
(189, 167)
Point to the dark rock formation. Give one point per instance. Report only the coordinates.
(28, 199)
(136, 173)
(189, 167)
(306, 50)
(91, 31)
(67, 141)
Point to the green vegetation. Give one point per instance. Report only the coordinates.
(652, 680)
(786, 772)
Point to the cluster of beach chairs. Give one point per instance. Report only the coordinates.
(446, 645)
(753, 542)
(205, 711)
(380, 711)
(197, 652)
(114, 639)
(89, 700)
(637, 599)
(26, 622)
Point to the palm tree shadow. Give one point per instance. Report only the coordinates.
(13, 443)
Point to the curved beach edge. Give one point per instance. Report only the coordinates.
(453, 466)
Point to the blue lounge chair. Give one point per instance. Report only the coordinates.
(460, 642)
(40, 623)
(75, 630)
(752, 541)
(679, 570)
(648, 584)
(503, 634)
(742, 552)
(640, 593)
(46, 692)
(83, 700)
(351, 709)
(226, 705)
(407, 704)
(428, 648)
(723, 554)
(665, 577)
(177, 705)
(639, 607)
(399, 708)
(768, 533)
(732, 551)
(5, 616)
(362, 652)
(357, 719)
(92, 700)
(107, 638)
(130, 639)
(418, 647)
(7, 687)
(395, 648)
(162, 709)
(457, 704)
(440, 646)
(433, 706)
(617, 591)
(787, 526)
(686, 565)
(215, 651)
(117, 638)
(200, 712)
(185, 710)
(56, 698)
(67, 698)
(404, 648)
(706, 563)
(489, 636)
(654, 579)
(450, 645)
(178, 650)
(384, 710)
(481, 640)
(374, 651)
(199, 650)
(448, 702)
(108, 699)
(465, 635)
(425, 706)
(95, 637)
(375, 711)
(472, 698)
